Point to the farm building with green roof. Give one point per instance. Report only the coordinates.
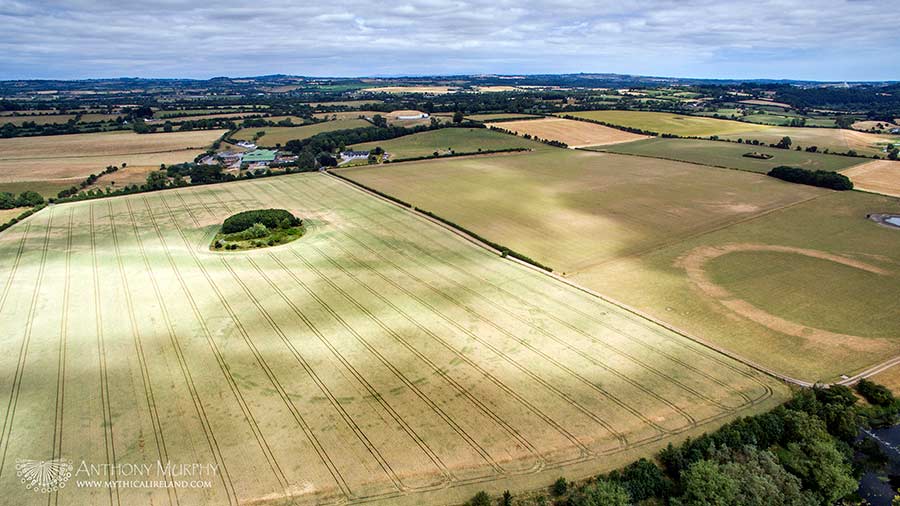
(260, 155)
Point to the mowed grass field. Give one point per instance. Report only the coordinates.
(380, 358)
(879, 176)
(460, 140)
(664, 122)
(731, 155)
(573, 209)
(64, 160)
(281, 135)
(792, 277)
(573, 133)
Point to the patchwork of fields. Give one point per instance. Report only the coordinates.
(458, 140)
(731, 155)
(378, 358)
(737, 258)
(64, 160)
(281, 135)
(833, 139)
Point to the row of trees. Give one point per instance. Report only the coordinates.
(24, 199)
(822, 178)
(799, 454)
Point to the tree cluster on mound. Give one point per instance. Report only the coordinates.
(271, 218)
(822, 178)
(799, 454)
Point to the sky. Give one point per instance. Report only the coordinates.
(828, 40)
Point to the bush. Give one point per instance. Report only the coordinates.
(271, 218)
(480, 499)
(559, 487)
(874, 393)
(821, 178)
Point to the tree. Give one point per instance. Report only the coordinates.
(326, 160)
(29, 199)
(642, 479)
(379, 120)
(601, 493)
(813, 457)
(458, 117)
(784, 143)
(480, 499)
(894, 154)
(157, 180)
(874, 393)
(559, 487)
(7, 200)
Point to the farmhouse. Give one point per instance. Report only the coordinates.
(354, 155)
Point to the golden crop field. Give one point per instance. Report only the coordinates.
(57, 157)
(574, 133)
(879, 176)
(380, 358)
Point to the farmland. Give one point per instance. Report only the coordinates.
(66, 159)
(878, 176)
(731, 155)
(500, 116)
(734, 257)
(459, 140)
(662, 122)
(832, 139)
(574, 133)
(377, 358)
(281, 135)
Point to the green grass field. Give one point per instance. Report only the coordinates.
(378, 359)
(663, 122)
(840, 318)
(621, 225)
(730, 155)
(281, 135)
(459, 140)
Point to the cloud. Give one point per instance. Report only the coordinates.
(827, 39)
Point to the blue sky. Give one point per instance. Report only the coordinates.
(792, 39)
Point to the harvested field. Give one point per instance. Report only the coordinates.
(40, 119)
(281, 135)
(574, 133)
(663, 122)
(624, 225)
(731, 155)
(459, 140)
(878, 176)
(379, 358)
(889, 378)
(432, 90)
(766, 103)
(8, 214)
(348, 114)
(499, 116)
(832, 139)
(873, 125)
(76, 156)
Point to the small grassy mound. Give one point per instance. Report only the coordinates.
(258, 229)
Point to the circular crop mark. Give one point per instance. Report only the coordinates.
(694, 263)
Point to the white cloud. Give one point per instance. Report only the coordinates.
(830, 39)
